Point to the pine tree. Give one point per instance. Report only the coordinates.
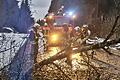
(25, 19)
(14, 17)
(12, 13)
(3, 13)
(55, 5)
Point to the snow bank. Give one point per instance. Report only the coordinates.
(97, 40)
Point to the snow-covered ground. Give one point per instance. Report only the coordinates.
(96, 40)
(9, 45)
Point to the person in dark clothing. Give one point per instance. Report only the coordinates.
(82, 33)
(66, 31)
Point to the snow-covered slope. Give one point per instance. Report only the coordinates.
(9, 45)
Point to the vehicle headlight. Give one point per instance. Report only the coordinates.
(54, 38)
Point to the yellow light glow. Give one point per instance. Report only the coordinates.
(76, 59)
(76, 56)
(74, 16)
(53, 51)
(54, 38)
(50, 17)
(45, 24)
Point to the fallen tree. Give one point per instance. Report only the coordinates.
(104, 70)
(82, 48)
(59, 56)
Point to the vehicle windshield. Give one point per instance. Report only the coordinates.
(61, 21)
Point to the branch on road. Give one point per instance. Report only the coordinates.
(59, 56)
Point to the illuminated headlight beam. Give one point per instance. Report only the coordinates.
(54, 38)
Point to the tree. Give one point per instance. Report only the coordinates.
(14, 17)
(25, 20)
(3, 12)
(55, 5)
(12, 14)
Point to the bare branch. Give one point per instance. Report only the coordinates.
(113, 29)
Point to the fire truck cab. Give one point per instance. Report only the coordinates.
(56, 29)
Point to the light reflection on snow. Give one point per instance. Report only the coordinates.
(53, 51)
(76, 60)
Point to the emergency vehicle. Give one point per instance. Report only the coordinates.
(57, 29)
